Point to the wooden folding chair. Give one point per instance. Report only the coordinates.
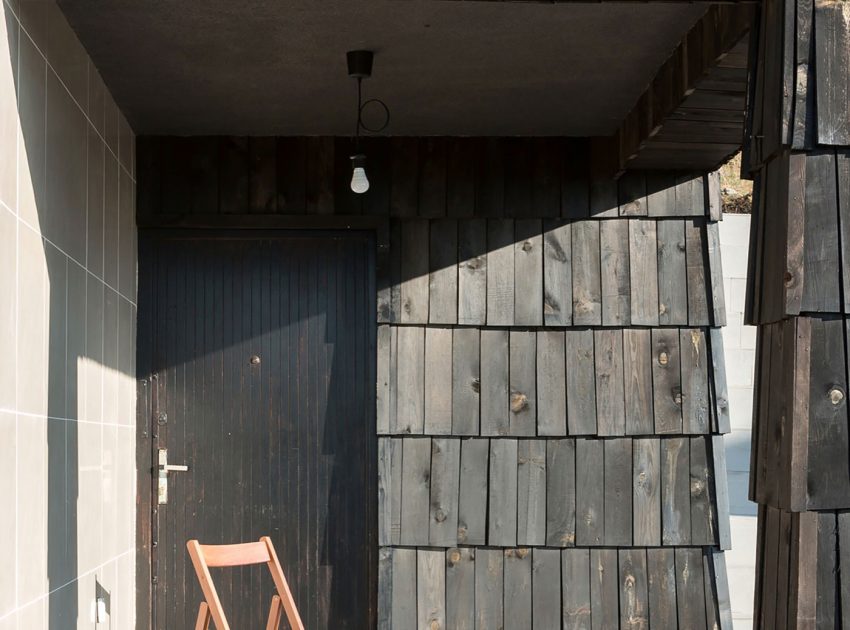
(206, 556)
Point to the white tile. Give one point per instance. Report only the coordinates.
(732, 332)
(741, 407)
(8, 526)
(737, 294)
(31, 508)
(748, 337)
(110, 487)
(89, 498)
(31, 360)
(8, 113)
(737, 451)
(735, 230)
(739, 504)
(739, 367)
(8, 307)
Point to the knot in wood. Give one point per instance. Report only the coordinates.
(521, 553)
(677, 397)
(556, 252)
(461, 534)
(789, 277)
(642, 478)
(663, 358)
(519, 402)
(633, 207)
(836, 396)
(527, 246)
(680, 246)
(473, 264)
(509, 553)
(697, 487)
(439, 515)
(722, 403)
(454, 557)
(407, 306)
(435, 625)
(475, 384)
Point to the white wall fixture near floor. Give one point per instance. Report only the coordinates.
(67, 332)
(739, 343)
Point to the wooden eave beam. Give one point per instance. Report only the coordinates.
(692, 113)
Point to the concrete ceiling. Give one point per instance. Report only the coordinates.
(277, 67)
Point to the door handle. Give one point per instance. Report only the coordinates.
(163, 468)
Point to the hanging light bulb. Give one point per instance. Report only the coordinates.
(359, 181)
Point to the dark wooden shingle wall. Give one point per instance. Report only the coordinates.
(799, 155)
(551, 395)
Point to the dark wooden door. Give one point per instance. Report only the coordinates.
(260, 351)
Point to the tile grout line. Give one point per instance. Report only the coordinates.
(46, 595)
(71, 258)
(76, 102)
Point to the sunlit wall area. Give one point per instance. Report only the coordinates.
(739, 344)
(67, 332)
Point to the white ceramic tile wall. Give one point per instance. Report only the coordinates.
(739, 343)
(67, 344)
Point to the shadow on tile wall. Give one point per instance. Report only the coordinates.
(67, 336)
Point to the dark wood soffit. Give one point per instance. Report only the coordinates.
(692, 114)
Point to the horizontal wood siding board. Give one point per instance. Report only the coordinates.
(646, 497)
(575, 585)
(828, 488)
(442, 285)
(438, 381)
(472, 501)
(615, 270)
(672, 273)
(666, 380)
(500, 272)
(581, 387)
(618, 492)
(460, 588)
(551, 384)
(518, 606)
(531, 492)
(557, 273)
(675, 491)
(587, 288)
(502, 520)
(604, 590)
(528, 272)
(495, 382)
(445, 491)
(610, 401)
(489, 588)
(661, 578)
(472, 272)
(466, 381)
(415, 491)
(590, 492)
(546, 588)
(634, 597)
(643, 257)
(523, 382)
(560, 493)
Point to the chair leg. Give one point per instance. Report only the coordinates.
(275, 612)
(204, 617)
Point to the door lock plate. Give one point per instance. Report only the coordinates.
(163, 468)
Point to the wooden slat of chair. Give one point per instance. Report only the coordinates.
(204, 617)
(206, 556)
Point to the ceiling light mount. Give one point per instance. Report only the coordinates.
(360, 63)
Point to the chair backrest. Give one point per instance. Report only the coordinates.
(238, 555)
